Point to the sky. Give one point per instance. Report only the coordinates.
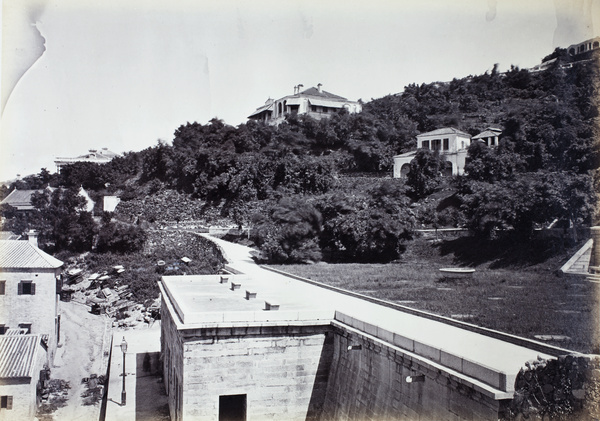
(88, 74)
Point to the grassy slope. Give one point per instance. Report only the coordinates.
(504, 293)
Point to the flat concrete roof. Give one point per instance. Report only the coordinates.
(198, 300)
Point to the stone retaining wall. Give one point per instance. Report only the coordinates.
(368, 381)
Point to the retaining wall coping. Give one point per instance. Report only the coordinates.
(257, 318)
(243, 318)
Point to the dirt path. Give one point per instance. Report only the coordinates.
(80, 355)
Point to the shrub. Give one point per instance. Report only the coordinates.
(120, 238)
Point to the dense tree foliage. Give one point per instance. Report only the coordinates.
(368, 228)
(372, 228)
(517, 206)
(118, 237)
(540, 173)
(60, 218)
(425, 173)
(289, 233)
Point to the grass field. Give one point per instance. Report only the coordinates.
(502, 294)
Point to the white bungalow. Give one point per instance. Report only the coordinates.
(451, 143)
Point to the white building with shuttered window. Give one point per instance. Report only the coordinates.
(22, 375)
(29, 291)
(450, 143)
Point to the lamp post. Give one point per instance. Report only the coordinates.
(123, 393)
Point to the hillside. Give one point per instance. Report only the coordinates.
(313, 190)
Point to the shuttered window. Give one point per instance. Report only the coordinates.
(6, 402)
(26, 288)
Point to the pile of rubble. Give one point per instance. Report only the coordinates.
(104, 294)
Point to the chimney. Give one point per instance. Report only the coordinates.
(32, 236)
(319, 88)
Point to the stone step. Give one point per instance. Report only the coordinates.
(593, 278)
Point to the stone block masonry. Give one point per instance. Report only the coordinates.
(281, 368)
(283, 374)
(369, 382)
(595, 258)
(38, 310)
(582, 260)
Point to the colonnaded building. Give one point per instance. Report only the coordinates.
(313, 102)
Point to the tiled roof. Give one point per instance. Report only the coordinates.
(323, 94)
(16, 254)
(316, 97)
(443, 131)
(17, 355)
(20, 199)
(94, 155)
(486, 133)
(266, 107)
(326, 103)
(406, 154)
(106, 153)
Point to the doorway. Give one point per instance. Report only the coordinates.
(232, 408)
